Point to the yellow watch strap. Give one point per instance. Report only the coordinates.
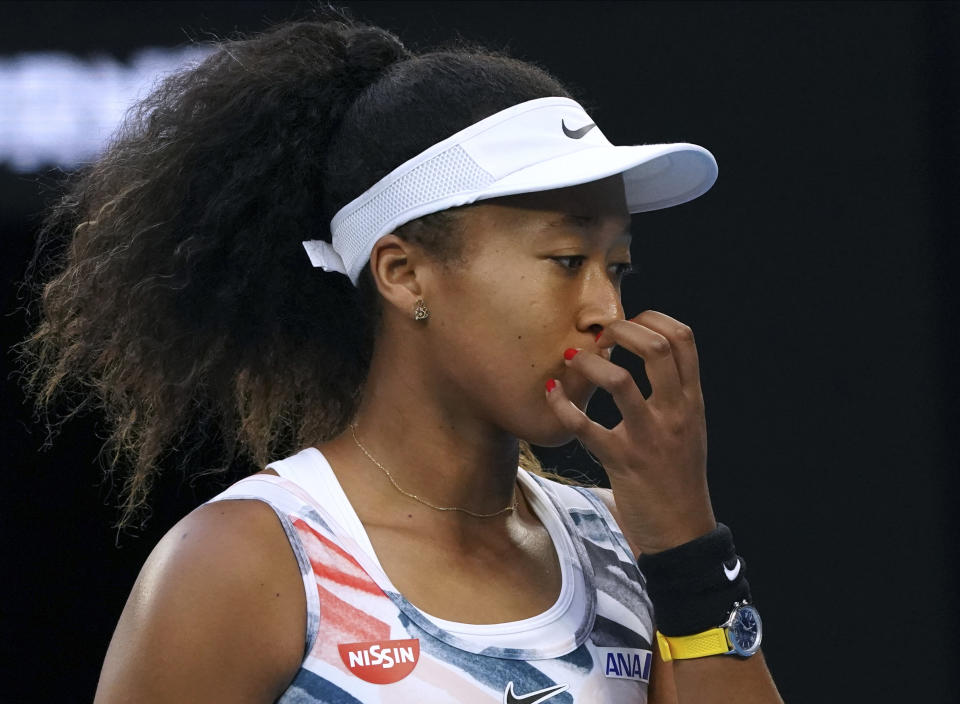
(699, 645)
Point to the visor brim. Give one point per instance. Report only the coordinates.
(655, 176)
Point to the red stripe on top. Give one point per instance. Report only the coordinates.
(341, 622)
(339, 579)
(331, 563)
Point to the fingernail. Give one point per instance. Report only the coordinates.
(570, 353)
(550, 384)
(598, 336)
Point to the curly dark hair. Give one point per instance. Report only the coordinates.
(173, 291)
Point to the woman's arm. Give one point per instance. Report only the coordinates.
(656, 459)
(718, 678)
(217, 614)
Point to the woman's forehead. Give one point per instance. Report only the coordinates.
(587, 210)
(496, 236)
(605, 197)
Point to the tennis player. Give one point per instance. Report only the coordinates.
(395, 270)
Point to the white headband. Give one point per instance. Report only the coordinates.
(534, 146)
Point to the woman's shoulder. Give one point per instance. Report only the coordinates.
(232, 540)
(221, 593)
(597, 499)
(570, 492)
(607, 499)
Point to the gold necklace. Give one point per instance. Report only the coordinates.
(511, 507)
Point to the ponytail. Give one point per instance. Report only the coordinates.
(179, 300)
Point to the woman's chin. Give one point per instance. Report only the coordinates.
(552, 440)
(581, 396)
(539, 425)
(549, 433)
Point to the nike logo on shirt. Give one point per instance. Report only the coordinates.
(541, 695)
(577, 133)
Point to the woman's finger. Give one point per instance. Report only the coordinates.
(611, 377)
(593, 435)
(657, 354)
(681, 341)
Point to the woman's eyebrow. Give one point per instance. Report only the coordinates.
(573, 220)
(580, 222)
(577, 220)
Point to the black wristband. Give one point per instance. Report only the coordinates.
(694, 586)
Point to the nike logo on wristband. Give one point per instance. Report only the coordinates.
(577, 133)
(533, 697)
(732, 574)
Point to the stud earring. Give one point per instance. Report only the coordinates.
(420, 312)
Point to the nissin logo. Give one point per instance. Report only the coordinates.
(626, 663)
(381, 661)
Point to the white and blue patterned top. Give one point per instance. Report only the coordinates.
(366, 644)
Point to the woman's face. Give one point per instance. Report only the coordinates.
(541, 274)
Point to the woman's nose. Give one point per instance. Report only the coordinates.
(600, 301)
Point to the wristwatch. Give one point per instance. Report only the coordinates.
(739, 635)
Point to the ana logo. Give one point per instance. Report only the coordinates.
(381, 661)
(626, 663)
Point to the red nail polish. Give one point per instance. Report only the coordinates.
(550, 384)
(598, 336)
(570, 353)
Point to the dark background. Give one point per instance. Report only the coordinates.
(818, 274)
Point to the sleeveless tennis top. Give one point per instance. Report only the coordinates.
(365, 643)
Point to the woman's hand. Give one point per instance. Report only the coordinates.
(656, 457)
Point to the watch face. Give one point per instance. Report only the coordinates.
(746, 631)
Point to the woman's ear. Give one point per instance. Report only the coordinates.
(395, 265)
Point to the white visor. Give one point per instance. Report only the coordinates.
(534, 146)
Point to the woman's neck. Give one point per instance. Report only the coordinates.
(433, 446)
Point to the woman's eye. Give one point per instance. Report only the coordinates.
(572, 262)
(575, 261)
(622, 270)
